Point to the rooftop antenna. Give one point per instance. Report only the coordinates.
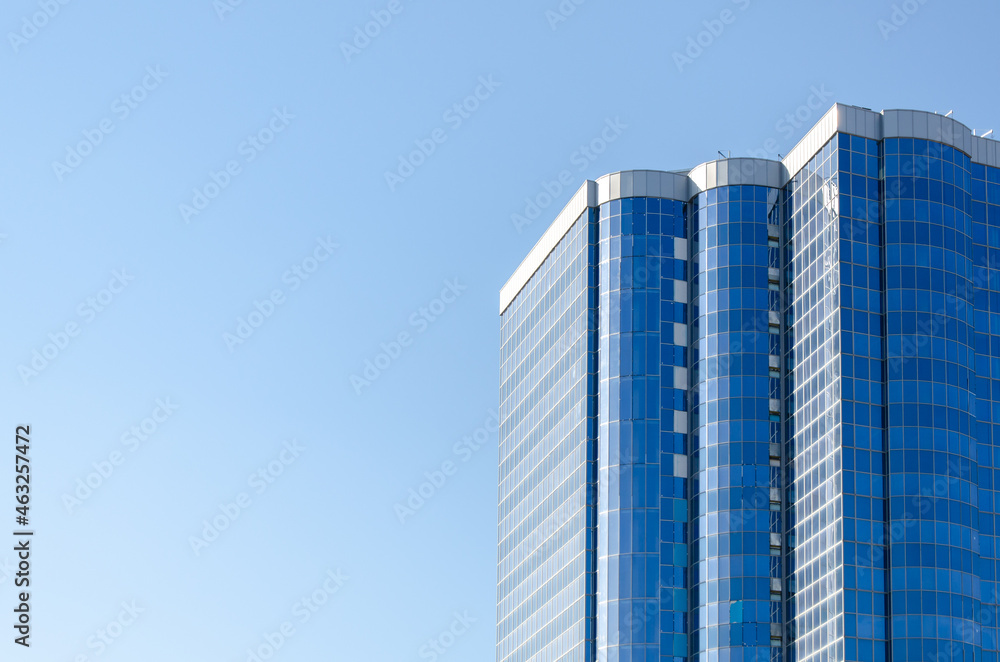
(948, 114)
(987, 134)
(725, 156)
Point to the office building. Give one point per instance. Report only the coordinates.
(747, 410)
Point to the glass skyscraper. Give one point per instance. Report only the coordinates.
(747, 410)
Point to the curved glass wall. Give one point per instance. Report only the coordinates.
(735, 451)
(760, 425)
(642, 503)
(931, 380)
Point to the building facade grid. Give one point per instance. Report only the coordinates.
(748, 412)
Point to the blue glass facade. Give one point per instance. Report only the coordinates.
(864, 457)
(749, 411)
(931, 379)
(547, 537)
(642, 501)
(985, 192)
(735, 341)
(814, 480)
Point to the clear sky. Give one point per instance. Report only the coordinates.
(215, 215)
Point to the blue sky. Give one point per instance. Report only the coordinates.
(208, 235)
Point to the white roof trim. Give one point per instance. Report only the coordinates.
(680, 185)
(585, 197)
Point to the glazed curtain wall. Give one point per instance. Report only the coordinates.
(933, 449)
(864, 449)
(736, 611)
(759, 425)
(642, 518)
(986, 280)
(547, 517)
